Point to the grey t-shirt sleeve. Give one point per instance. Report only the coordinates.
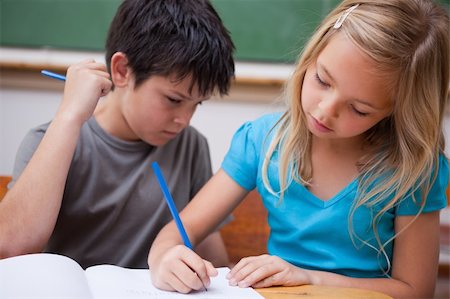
(26, 150)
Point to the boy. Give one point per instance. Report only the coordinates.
(86, 188)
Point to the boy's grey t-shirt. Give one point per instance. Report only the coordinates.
(112, 206)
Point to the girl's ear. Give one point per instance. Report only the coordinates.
(120, 72)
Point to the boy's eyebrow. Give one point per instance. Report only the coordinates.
(181, 95)
(189, 97)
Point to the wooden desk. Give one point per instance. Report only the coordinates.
(4, 180)
(319, 292)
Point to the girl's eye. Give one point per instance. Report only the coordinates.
(359, 112)
(320, 81)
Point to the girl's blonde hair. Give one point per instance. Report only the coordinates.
(409, 42)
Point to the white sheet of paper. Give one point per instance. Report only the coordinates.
(108, 281)
(42, 276)
(46, 275)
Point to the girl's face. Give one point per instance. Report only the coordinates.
(159, 109)
(343, 95)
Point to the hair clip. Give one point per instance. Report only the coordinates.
(342, 18)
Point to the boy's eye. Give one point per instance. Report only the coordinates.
(360, 113)
(172, 100)
(320, 81)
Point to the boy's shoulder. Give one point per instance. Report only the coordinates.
(190, 136)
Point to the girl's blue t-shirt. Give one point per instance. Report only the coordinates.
(309, 232)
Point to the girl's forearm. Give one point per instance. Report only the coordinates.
(167, 238)
(389, 286)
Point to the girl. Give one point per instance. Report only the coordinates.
(353, 174)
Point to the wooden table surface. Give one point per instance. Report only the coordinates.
(319, 292)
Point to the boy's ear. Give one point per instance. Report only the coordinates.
(120, 72)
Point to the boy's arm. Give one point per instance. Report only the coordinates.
(29, 210)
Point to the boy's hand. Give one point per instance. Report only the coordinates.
(86, 82)
(181, 269)
(266, 270)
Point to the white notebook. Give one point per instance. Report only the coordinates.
(44, 275)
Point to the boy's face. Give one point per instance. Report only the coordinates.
(159, 109)
(343, 96)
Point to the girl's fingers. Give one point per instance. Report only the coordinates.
(242, 269)
(199, 268)
(268, 281)
(240, 265)
(246, 266)
(262, 269)
(176, 284)
(266, 274)
(185, 281)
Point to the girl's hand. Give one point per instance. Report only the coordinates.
(86, 82)
(266, 270)
(181, 269)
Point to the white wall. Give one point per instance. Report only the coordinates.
(218, 120)
(27, 100)
(22, 109)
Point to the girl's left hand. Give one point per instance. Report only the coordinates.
(266, 270)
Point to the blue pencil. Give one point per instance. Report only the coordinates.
(173, 208)
(53, 75)
(171, 204)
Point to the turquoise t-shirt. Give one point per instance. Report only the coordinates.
(307, 231)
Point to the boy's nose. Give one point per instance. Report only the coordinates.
(184, 118)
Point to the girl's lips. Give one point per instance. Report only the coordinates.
(320, 126)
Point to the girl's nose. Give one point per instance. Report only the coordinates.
(329, 107)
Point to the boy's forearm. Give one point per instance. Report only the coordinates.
(29, 210)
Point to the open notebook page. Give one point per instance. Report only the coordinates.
(107, 281)
(42, 276)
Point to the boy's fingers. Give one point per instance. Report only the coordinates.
(106, 88)
(101, 73)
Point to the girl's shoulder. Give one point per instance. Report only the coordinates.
(264, 123)
(256, 131)
(270, 118)
(443, 169)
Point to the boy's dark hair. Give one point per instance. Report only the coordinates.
(173, 37)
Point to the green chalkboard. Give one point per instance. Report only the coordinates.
(263, 30)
